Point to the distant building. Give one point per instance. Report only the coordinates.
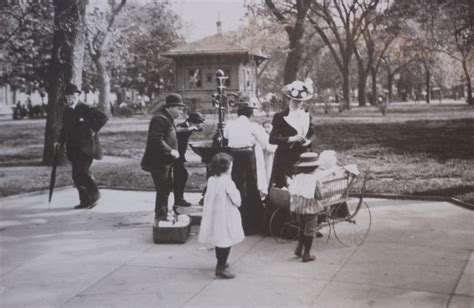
(197, 63)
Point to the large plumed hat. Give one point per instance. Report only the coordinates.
(299, 90)
(70, 89)
(174, 100)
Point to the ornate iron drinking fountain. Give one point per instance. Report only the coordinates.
(222, 101)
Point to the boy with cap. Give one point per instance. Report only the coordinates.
(81, 124)
(180, 174)
(162, 150)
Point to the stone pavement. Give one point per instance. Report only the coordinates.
(417, 254)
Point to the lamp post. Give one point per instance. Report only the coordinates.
(219, 101)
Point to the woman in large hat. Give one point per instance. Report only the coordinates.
(292, 131)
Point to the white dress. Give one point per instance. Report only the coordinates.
(221, 223)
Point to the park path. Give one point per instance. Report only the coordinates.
(417, 254)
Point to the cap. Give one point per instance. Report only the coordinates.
(196, 117)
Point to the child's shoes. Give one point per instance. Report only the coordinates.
(308, 257)
(221, 272)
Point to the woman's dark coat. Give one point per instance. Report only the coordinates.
(286, 154)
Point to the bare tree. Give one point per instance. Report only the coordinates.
(379, 32)
(340, 23)
(100, 25)
(285, 13)
(457, 19)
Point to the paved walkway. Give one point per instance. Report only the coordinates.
(417, 254)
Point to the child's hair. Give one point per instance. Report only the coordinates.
(307, 169)
(220, 163)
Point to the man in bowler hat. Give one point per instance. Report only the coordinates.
(184, 131)
(162, 150)
(81, 124)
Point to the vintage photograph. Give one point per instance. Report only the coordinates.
(244, 153)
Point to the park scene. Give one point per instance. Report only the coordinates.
(341, 128)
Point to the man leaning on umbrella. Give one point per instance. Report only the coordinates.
(81, 123)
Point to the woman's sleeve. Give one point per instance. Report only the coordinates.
(233, 193)
(276, 134)
(261, 136)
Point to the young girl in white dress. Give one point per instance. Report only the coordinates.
(221, 223)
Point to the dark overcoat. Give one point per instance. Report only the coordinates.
(80, 130)
(161, 140)
(286, 153)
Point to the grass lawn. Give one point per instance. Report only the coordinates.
(416, 149)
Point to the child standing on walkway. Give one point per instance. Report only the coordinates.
(221, 223)
(302, 188)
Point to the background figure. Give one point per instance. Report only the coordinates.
(180, 174)
(81, 124)
(221, 223)
(161, 151)
(292, 130)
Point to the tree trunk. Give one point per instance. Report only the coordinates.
(295, 35)
(346, 88)
(66, 65)
(373, 98)
(13, 89)
(293, 60)
(361, 87)
(103, 83)
(389, 85)
(428, 86)
(470, 99)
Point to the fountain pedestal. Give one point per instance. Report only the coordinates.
(244, 175)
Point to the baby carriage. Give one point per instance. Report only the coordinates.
(340, 204)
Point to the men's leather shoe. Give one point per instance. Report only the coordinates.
(158, 219)
(92, 204)
(80, 206)
(182, 202)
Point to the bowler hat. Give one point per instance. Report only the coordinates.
(70, 89)
(196, 117)
(307, 159)
(174, 100)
